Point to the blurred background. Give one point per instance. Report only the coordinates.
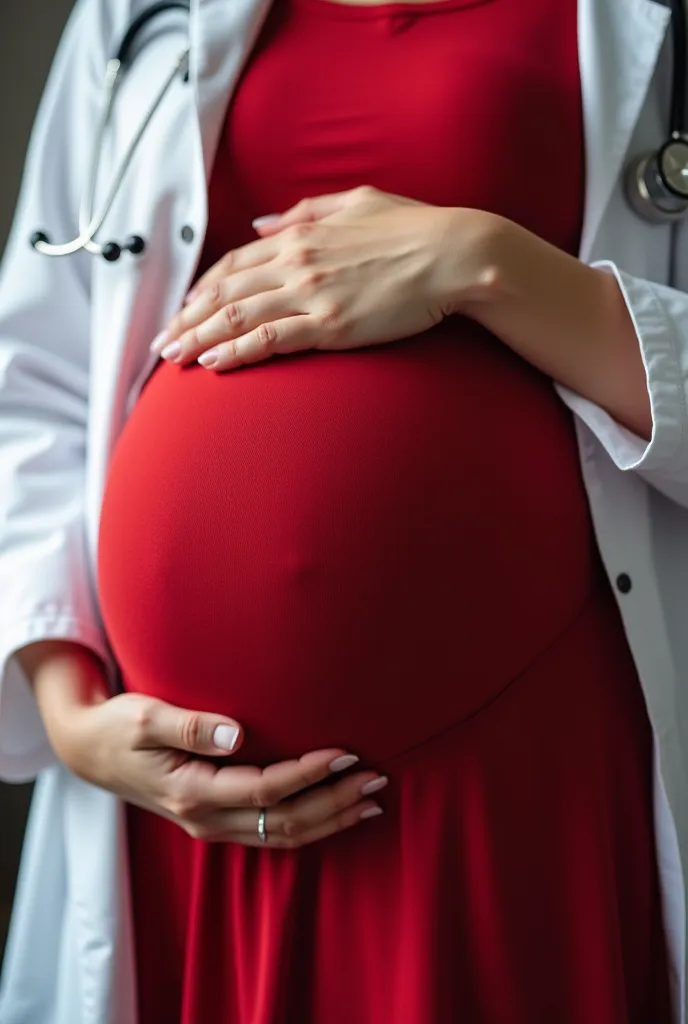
(29, 31)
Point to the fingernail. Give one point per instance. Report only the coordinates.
(270, 218)
(208, 358)
(374, 786)
(225, 736)
(159, 341)
(371, 812)
(171, 351)
(192, 296)
(341, 763)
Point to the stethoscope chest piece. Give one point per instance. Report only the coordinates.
(657, 183)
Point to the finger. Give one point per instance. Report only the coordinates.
(302, 813)
(218, 294)
(158, 724)
(253, 254)
(243, 786)
(295, 333)
(233, 321)
(304, 212)
(361, 812)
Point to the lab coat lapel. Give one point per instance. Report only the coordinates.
(223, 33)
(221, 36)
(619, 44)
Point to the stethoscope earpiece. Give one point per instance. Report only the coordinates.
(110, 251)
(39, 238)
(135, 245)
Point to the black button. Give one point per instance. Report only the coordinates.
(187, 233)
(624, 583)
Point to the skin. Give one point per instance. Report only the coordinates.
(149, 753)
(364, 267)
(343, 271)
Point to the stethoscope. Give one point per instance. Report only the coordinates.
(656, 183)
(89, 222)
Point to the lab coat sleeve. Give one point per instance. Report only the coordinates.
(45, 587)
(660, 318)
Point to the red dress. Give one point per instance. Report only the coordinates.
(389, 550)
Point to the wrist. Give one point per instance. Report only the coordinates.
(69, 682)
(477, 252)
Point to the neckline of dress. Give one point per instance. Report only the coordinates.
(336, 9)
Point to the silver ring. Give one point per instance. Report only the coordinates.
(262, 831)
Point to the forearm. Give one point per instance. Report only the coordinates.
(66, 678)
(565, 318)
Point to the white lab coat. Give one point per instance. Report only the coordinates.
(74, 337)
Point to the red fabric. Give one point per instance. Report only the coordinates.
(389, 549)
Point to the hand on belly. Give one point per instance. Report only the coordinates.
(362, 267)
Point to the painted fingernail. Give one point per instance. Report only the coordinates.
(341, 763)
(270, 218)
(371, 812)
(208, 358)
(374, 785)
(159, 341)
(171, 351)
(225, 737)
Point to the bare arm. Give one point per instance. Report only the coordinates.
(384, 267)
(566, 318)
(67, 679)
(159, 757)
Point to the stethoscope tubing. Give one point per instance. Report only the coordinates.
(126, 47)
(677, 121)
(90, 223)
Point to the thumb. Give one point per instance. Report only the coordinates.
(198, 732)
(304, 212)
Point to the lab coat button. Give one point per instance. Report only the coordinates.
(187, 233)
(624, 583)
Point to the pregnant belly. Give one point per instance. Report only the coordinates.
(354, 548)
